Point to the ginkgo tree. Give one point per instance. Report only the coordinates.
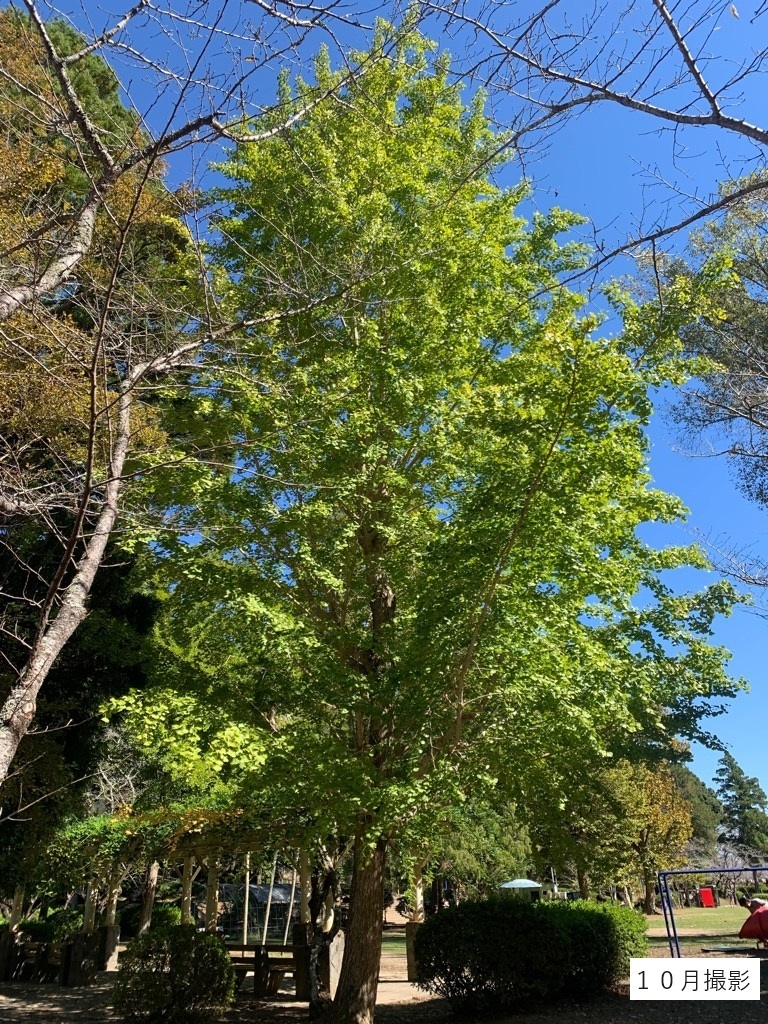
(418, 579)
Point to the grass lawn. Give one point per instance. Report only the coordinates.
(727, 920)
(393, 944)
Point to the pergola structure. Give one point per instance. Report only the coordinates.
(666, 899)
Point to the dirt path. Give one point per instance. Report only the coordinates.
(398, 1003)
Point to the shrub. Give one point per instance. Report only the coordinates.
(176, 976)
(494, 954)
(59, 926)
(163, 916)
(37, 930)
(603, 937)
(491, 954)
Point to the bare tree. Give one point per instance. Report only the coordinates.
(104, 293)
(673, 66)
(196, 75)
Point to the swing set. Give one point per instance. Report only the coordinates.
(666, 897)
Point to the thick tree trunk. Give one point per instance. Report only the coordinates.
(356, 995)
(148, 897)
(417, 919)
(583, 880)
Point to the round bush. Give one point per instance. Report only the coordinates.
(491, 955)
(603, 937)
(176, 976)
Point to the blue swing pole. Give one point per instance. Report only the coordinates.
(666, 900)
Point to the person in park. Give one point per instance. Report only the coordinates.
(756, 925)
(753, 904)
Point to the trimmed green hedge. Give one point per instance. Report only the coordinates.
(164, 915)
(177, 976)
(59, 926)
(492, 955)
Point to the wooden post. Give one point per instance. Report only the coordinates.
(418, 892)
(186, 889)
(328, 911)
(16, 909)
(113, 895)
(148, 898)
(290, 908)
(246, 897)
(269, 901)
(89, 911)
(306, 886)
(212, 894)
(417, 918)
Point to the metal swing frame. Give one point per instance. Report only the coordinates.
(666, 898)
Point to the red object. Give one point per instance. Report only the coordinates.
(707, 896)
(756, 926)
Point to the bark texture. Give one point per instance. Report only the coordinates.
(356, 995)
(19, 709)
(148, 898)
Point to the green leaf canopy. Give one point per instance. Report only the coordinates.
(422, 563)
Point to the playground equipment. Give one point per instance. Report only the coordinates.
(756, 926)
(669, 910)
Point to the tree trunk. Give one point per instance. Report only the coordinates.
(113, 895)
(265, 930)
(19, 709)
(186, 889)
(417, 918)
(649, 902)
(212, 894)
(305, 882)
(583, 880)
(329, 904)
(148, 897)
(17, 909)
(89, 910)
(418, 891)
(59, 270)
(356, 995)
(289, 915)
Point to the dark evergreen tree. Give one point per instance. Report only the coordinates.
(706, 810)
(745, 821)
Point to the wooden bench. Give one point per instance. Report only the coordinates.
(269, 963)
(38, 961)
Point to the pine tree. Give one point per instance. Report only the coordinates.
(745, 821)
